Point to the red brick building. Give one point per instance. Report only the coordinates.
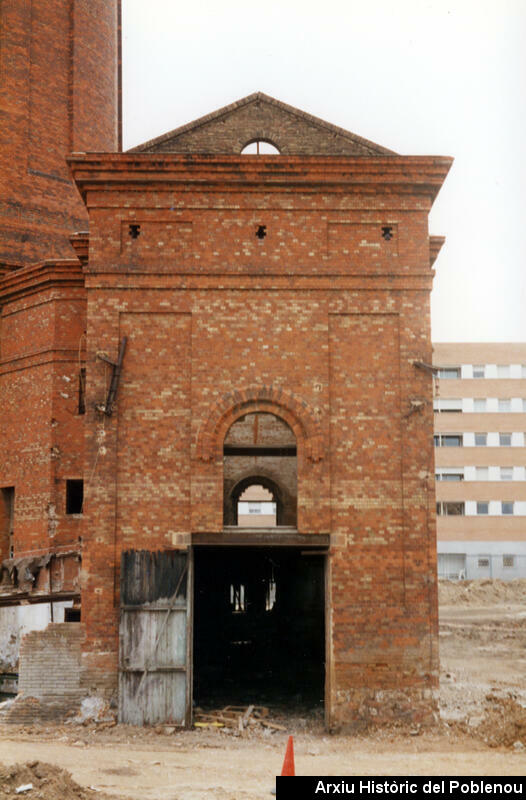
(231, 320)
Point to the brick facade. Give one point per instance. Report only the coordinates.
(43, 343)
(59, 92)
(317, 323)
(295, 287)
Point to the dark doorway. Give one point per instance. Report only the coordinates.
(259, 626)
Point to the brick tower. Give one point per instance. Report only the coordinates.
(59, 66)
(235, 321)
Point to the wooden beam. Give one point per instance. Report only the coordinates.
(262, 537)
(24, 598)
(259, 450)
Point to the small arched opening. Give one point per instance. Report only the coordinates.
(256, 506)
(260, 147)
(260, 473)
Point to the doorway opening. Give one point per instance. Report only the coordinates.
(259, 626)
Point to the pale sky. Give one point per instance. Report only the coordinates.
(421, 77)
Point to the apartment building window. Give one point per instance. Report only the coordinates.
(481, 473)
(505, 439)
(479, 371)
(479, 404)
(450, 509)
(483, 563)
(523, 370)
(503, 370)
(482, 507)
(449, 474)
(449, 372)
(508, 561)
(448, 440)
(506, 473)
(481, 439)
(506, 507)
(447, 404)
(504, 405)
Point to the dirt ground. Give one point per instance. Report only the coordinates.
(481, 729)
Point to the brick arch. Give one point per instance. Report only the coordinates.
(250, 478)
(266, 139)
(269, 400)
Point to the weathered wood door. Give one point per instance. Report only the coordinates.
(155, 638)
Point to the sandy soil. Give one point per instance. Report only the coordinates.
(482, 729)
(483, 653)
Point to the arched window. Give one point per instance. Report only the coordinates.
(256, 507)
(260, 472)
(260, 147)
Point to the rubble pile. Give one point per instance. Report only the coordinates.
(485, 591)
(43, 781)
(504, 723)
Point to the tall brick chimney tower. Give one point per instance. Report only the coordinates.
(59, 93)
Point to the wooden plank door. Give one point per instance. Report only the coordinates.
(155, 638)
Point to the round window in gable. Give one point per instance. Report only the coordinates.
(260, 147)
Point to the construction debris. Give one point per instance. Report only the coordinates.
(43, 781)
(237, 718)
(95, 709)
(482, 592)
(504, 723)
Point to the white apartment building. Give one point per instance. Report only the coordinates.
(480, 459)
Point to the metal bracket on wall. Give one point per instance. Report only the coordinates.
(427, 367)
(416, 405)
(107, 407)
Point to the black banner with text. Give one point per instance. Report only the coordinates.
(367, 788)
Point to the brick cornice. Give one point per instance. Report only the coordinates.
(435, 245)
(7, 267)
(25, 281)
(422, 175)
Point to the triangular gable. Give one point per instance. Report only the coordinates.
(259, 116)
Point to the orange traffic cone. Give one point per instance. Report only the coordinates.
(288, 762)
